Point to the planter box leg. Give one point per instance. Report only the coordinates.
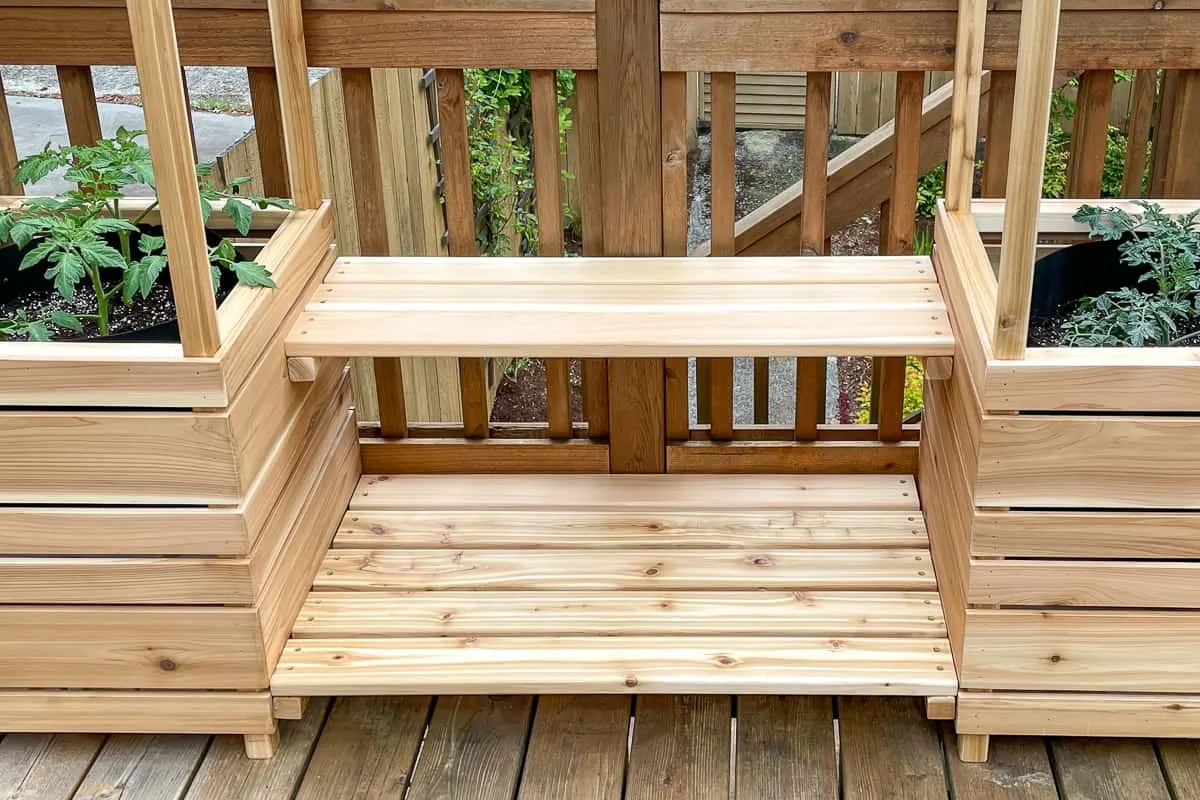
(264, 745)
(972, 747)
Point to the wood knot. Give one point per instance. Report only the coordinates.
(1054, 659)
(849, 37)
(446, 616)
(167, 665)
(760, 561)
(651, 571)
(631, 681)
(378, 530)
(725, 660)
(1159, 5)
(1174, 706)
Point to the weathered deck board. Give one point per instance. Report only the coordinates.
(1092, 768)
(577, 749)
(680, 748)
(129, 766)
(889, 750)
(45, 766)
(1016, 769)
(785, 747)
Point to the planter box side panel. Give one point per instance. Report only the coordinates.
(58, 711)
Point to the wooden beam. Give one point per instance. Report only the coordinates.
(964, 115)
(491, 456)
(1089, 139)
(295, 100)
(591, 209)
(8, 149)
(723, 186)
(169, 133)
(999, 132)
(1026, 162)
(1163, 117)
(269, 131)
(675, 125)
(752, 458)
(1183, 168)
(1141, 113)
(79, 104)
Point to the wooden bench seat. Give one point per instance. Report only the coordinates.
(610, 308)
(795, 584)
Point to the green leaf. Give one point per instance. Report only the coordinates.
(215, 274)
(225, 252)
(64, 320)
(68, 270)
(24, 231)
(151, 244)
(37, 332)
(242, 181)
(205, 208)
(240, 213)
(253, 273)
(101, 254)
(38, 254)
(142, 276)
(109, 225)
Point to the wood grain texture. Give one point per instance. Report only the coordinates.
(150, 766)
(1181, 765)
(1089, 136)
(784, 747)
(577, 749)
(1084, 534)
(39, 766)
(1182, 174)
(999, 132)
(964, 114)
(269, 130)
(475, 744)
(1016, 769)
(878, 734)
(290, 57)
(1075, 713)
(496, 456)
(8, 149)
(1144, 584)
(792, 457)
(1113, 767)
(680, 748)
(1141, 116)
(57, 711)
(79, 104)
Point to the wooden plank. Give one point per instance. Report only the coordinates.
(45, 766)
(591, 206)
(269, 131)
(1016, 769)
(79, 104)
(1098, 462)
(563, 613)
(636, 408)
(724, 147)
(889, 747)
(1075, 713)
(680, 748)
(1146, 584)
(8, 149)
(632, 493)
(455, 456)
(367, 749)
(123, 581)
(1113, 767)
(1089, 136)
(86, 531)
(475, 744)
(793, 457)
(785, 746)
(999, 132)
(608, 665)
(290, 59)
(148, 766)
(1182, 174)
(577, 749)
(1180, 761)
(1069, 534)
(226, 773)
(168, 132)
(1144, 651)
(901, 222)
(628, 529)
(1141, 113)
(964, 114)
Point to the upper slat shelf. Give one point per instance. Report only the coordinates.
(610, 308)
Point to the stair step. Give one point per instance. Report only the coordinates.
(613, 308)
(624, 664)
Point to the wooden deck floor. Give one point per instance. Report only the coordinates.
(586, 748)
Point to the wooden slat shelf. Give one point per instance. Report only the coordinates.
(621, 308)
(624, 584)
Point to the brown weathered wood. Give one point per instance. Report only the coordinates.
(793, 457)
(45, 766)
(890, 415)
(449, 456)
(1016, 769)
(591, 208)
(675, 125)
(1088, 768)
(901, 221)
(636, 401)
(79, 104)
(999, 132)
(964, 114)
(475, 746)
(1183, 168)
(1180, 760)
(1089, 138)
(889, 748)
(785, 747)
(577, 748)
(269, 131)
(8, 148)
(1141, 113)
(143, 766)
(290, 59)
(724, 146)
(367, 749)
(1163, 116)
(169, 133)
(762, 390)
(680, 748)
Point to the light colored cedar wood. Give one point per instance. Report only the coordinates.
(362, 145)
(635, 492)
(964, 115)
(774, 6)
(59, 711)
(143, 765)
(1027, 159)
(269, 131)
(591, 206)
(335, 615)
(617, 665)
(261, 746)
(1097, 462)
(1146, 584)
(999, 132)
(901, 222)
(680, 748)
(1127, 768)
(1027, 758)
(473, 741)
(1077, 713)
(940, 707)
(123, 581)
(1089, 137)
(877, 735)
(810, 372)
(132, 647)
(449, 456)
(548, 179)
(1141, 114)
(1181, 765)
(628, 529)
(1142, 651)
(724, 146)
(160, 76)
(793, 457)
(79, 104)
(290, 59)
(302, 370)
(938, 368)
(784, 747)
(1085, 534)
(367, 748)
(650, 569)
(577, 749)
(289, 707)
(1182, 173)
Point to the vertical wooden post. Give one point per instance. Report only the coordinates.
(8, 149)
(964, 109)
(79, 104)
(675, 128)
(1183, 167)
(724, 150)
(628, 66)
(268, 128)
(156, 51)
(591, 207)
(810, 372)
(1026, 162)
(1089, 140)
(1145, 89)
(999, 132)
(295, 100)
(1163, 125)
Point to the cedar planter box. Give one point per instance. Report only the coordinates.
(1064, 512)
(162, 517)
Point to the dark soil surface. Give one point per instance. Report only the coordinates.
(521, 396)
(1046, 331)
